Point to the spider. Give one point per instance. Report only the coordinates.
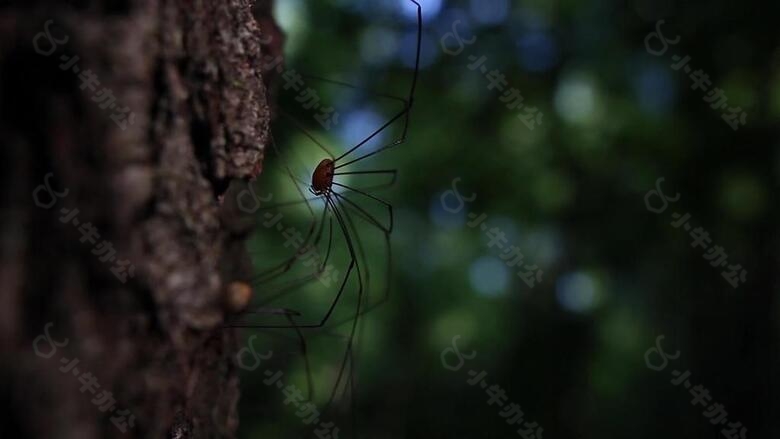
(343, 204)
(324, 185)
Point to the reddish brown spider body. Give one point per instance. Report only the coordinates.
(322, 177)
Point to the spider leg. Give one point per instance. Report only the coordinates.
(386, 234)
(352, 266)
(280, 291)
(392, 172)
(355, 87)
(303, 351)
(406, 106)
(403, 113)
(285, 265)
(388, 228)
(346, 224)
(306, 132)
(389, 258)
(396, 142)
(349, 387)
(314, 231)
(284, 289)
(306, 364)
(288, 203)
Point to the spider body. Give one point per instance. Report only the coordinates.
(322, 177)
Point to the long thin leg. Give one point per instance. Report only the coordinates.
(287, 203)
(315, 229)
(286, 288)
(304, 351)
(350, 352)
(403, 113)
(306, 132)
(352, 265)
(349, 365)
(389, 206)
(389, 256)
(386, 295)
(361, 212)
(405, 102)
(368, 217)
(392, 172)
(292, 176)
(352, 396)
(272, 311)
(398, 141)
(354, 87)
(312, 229)
(381, 171)
(308, 325)
(360, 255)
(341, 215)
(285, 265)
(280, 291)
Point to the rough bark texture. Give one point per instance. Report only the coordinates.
(191, 72)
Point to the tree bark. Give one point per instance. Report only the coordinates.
(191, 74)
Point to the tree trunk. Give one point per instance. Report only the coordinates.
(144, 151)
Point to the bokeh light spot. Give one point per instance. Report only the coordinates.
(429, 50)
(489, 11)
(378, 45)
(575, 99)
(447, 219)
(489, 276)
(357, 125)
(576, 292)
(430, 9)
(538, 51)
(654, 88)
